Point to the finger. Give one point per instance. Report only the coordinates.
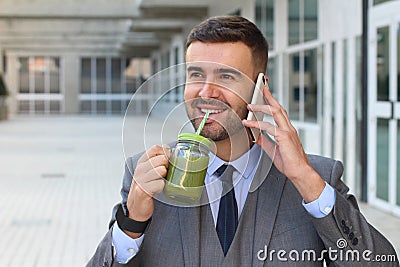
(270, 98)
(158, 172)
(152, 187)
(155, 186)
(153, 174)
(158, 161)
(154, 162)
(262, 125)
(275, 112)
(153, 151)
(273, 102)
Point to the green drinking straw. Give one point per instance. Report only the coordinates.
(202, 123)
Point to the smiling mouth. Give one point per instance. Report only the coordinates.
(211, 111)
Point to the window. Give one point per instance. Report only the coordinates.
(303, 100)
(116, 76)
(39, 85)
(136, 72)
(294, 86)
(101, 75)
(54, 73)
(303, 21)
(310, 18)
(382, 60)
(38, 66)
(23, 75)
(310, 85)
(86, 75)
(272, 72)
(107, 83)
(265, 19)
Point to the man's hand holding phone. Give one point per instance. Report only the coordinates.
(287, 151)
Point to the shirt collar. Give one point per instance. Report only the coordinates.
(245, 164)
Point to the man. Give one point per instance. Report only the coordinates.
(291, 211)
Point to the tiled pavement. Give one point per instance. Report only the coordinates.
(60, 177)
(58, 181)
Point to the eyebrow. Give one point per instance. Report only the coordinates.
(219, 70)
(194, 68)
(229, 70)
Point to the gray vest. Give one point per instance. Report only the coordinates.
(240, 251)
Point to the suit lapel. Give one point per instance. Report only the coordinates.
(270, 186)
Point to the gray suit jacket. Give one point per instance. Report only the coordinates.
(274, 228)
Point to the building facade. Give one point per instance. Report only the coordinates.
(91, 56)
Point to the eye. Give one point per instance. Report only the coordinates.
(196, 75)
(227, 77)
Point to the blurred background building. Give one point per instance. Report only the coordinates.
(340, 86)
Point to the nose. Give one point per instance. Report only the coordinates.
(209, 90)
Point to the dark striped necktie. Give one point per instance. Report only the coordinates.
(228, 212)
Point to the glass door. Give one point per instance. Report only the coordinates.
(384, 109)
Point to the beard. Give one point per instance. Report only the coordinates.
(228, 125)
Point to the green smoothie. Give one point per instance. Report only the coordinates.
(185, 178)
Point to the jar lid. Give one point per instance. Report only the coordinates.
(194, 137)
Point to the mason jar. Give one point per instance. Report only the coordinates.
(187, 168)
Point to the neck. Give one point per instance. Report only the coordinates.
(232, 148)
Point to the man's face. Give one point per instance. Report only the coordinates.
(219, 78)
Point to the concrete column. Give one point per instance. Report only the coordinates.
(351, 122)
(339, 105)
(11, 80)
(70, 84)
(327, 108)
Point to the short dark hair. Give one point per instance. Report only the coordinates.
(223, 29)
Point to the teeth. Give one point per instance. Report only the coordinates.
(211, 110)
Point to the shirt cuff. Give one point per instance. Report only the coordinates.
(323, 205)
(125, 247)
